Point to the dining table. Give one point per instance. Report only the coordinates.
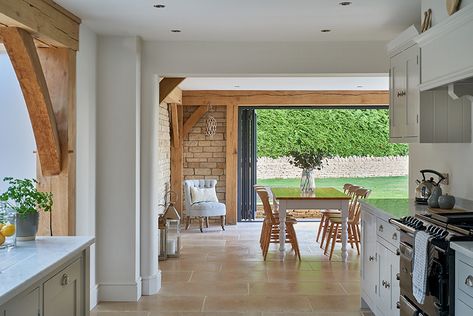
(321, 198)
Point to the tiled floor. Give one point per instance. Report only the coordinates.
(223, 273)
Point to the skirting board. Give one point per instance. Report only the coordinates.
(151, 285)
(94, 293)
(119, 292)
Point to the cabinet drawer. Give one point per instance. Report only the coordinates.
(387, 231)
(464, 278)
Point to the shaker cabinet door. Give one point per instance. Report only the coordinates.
(397, 102)
(63, 292)
(27, 304)
(369, 272)
(412, 97)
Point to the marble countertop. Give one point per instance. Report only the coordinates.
(394, 208)
(465, 247)
(30, 261)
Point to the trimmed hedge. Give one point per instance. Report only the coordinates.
(342, 133)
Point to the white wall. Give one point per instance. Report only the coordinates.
(17, 142)
(117, 168)
(86, 144)
(264, 58)
(454, 159)
(439, 9)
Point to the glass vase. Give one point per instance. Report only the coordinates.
(307, 181)
(7, 227)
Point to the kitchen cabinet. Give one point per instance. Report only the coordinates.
(404, 96)
(463, 278)
(27, 304)
(46, 277)
(379, 264)
(62, 293)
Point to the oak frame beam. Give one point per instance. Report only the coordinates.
(26, 62)
(177, 166)
(231, 164)
(46, 20)
(173, 107)
(193, 119)
(167, 86)
(286, 98)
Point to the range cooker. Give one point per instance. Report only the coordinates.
(444, 228)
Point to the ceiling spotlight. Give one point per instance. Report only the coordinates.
(325, 31)
(159, 6)
(345, 3)
(359, 87)
(176, 31)
(236, 86)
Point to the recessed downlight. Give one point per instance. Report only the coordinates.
(236, 86)
(325, 31)
(176, 31)
(345, 3)
(359, 86)
(159, 6)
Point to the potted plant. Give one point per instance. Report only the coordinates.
(308, 159)
(23, 197)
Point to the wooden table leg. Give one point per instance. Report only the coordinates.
(344, 209)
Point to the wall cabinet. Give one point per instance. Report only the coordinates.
(404, 96)
(379, 265)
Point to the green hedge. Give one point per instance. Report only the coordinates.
(343, 133)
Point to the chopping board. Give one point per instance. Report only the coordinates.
(452, 6)
(444, 211)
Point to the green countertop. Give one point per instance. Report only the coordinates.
(395, 208)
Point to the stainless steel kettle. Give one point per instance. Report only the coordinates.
(424, 187)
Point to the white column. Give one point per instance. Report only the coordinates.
(150, 274)
(118, 168)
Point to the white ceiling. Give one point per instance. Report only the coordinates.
(248, 20)
(287, 83)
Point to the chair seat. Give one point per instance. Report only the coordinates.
(207, 209)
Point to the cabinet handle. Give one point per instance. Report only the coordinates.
(383, 283)
(371, 258)
(469, 281)
(398, 276)
(388, 285)
(65, 279)
(381, 228)
(398, 305)
(398, 252)
(395, 236)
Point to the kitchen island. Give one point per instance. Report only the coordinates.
(48, 276)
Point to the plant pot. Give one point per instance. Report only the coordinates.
(27, 226)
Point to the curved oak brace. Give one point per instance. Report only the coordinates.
(166, 87)
(25, 60)
(193, 119)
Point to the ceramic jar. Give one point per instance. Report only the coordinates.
(446, 201)
(433, 200)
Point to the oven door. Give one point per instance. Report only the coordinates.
(406, 308)
(432, 303)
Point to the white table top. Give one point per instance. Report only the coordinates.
(30, 261)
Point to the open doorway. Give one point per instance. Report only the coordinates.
(357, 139)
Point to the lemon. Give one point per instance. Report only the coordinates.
(2, 239)
(8, 230)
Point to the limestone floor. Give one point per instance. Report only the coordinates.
(223, 273)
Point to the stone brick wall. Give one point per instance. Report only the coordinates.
(164, 149)
(337, 167)
(204, 156)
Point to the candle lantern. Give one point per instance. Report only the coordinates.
(169, 224)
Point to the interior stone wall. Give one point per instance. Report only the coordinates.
(204, 156)
(164, 147)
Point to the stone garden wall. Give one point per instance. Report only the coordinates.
(337, 167)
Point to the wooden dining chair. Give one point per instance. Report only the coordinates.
(350, 191)
(270, 228)
(334, 232)
(324, 213)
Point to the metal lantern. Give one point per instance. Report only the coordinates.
(169, 224)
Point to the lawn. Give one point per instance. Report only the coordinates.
(382, 187)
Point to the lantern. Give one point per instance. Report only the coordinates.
(169, 225)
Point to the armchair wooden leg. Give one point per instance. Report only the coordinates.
(222, 221)
(201, 224)
(207, 222)
(188, 222)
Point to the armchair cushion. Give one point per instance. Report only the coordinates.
(203, 195)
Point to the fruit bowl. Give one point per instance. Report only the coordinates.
(7, 229)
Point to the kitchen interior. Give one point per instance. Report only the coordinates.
(417, 253)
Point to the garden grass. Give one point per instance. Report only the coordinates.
(382, 187)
